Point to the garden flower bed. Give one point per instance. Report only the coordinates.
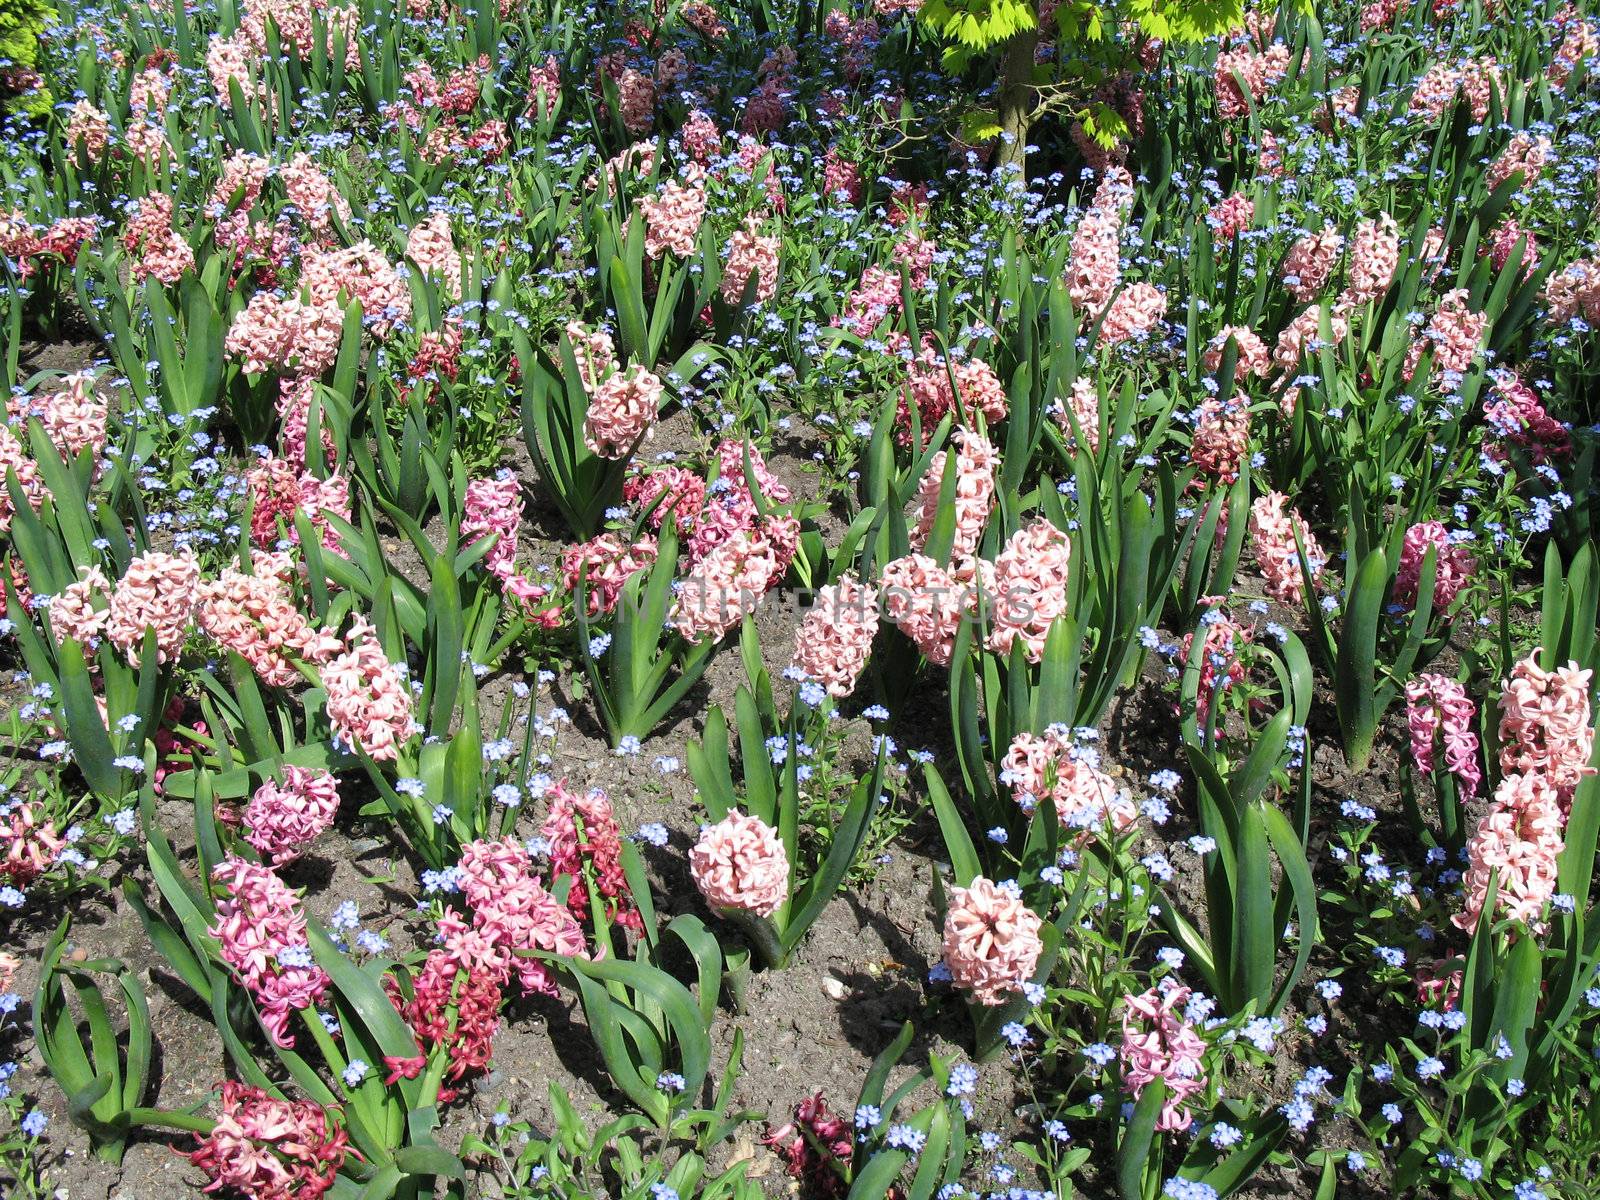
(917, 598)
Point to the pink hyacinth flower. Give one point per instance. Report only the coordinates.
(740, 863)
(991, 941)
(282, 819)
(1159, 1042)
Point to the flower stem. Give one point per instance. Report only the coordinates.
(762, 936)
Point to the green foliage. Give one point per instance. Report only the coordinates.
(777, 753)
(977, 25)
(574, 1162)
(22, 26)
(102, 1086)
(1186, 20)
(1102, 38)
(1197, 840)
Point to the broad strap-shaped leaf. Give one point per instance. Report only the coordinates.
(877, 1076)
(1251, 781)
(709, 766)
(1242, 1164)
(958, 845)
(1255, 941)
(706, 951)
(86, 729)
(675, 1000)
(1134, 1153)
(1355, 671)
(760, 791)
(1296, 870)
(364, 996)
(1517, 992)
(848, 837)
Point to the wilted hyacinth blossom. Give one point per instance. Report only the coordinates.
(29, 844)
(813, 1145)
